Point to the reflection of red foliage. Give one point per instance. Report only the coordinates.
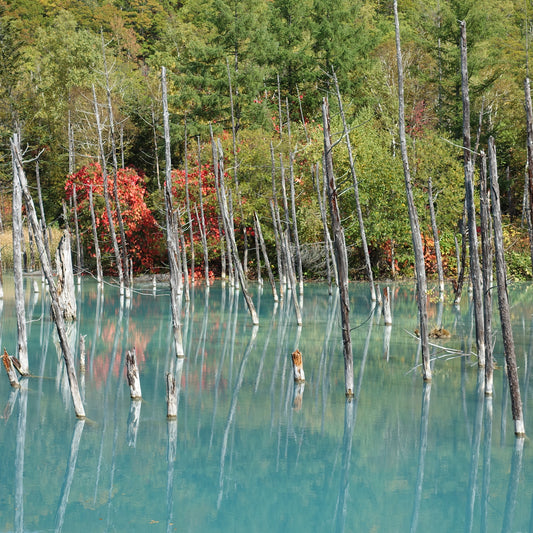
(142, 233)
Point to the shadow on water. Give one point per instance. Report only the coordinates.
(249, 446)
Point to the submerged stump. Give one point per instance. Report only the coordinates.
(298, 367)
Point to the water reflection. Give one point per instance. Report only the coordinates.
(248, 446)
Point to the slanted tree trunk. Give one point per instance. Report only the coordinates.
(339, 244)
(368, 264)
(112, 233)
(65, 278)
(436, 240)
(41, 208)
(475, 270)
(10, 370)
(265, 256)
(47, 269)
(420, 267)
(487, 255)
(22, 339)
(503, 297)
(172, 231)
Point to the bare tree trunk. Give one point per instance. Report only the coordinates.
(123, 242)
(156, 148)
(461, 259)
(503, 297)
(116, 250)
(65, 279)
(98, 255)
(420, 267)
(133, 375)
(368, 264)
(202, 217)
(172, 231)
(277, 239)
(79, 261)
(295, 225)
(436, 240)
(22, 339)
(47, 269)
(340, 255)
(475, 270)
(487, 255)
(188, 203)
(265, 256)
(10, 370)
(529, 183)
(41, 208)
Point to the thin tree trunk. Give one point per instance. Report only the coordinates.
(420, 267)
(295, 225)
(487, 254)
(475, 270)
(202, 216)
(133, 375)
(503, 297)
(368, 264)
(22, 340)
(529, 183)
(172, 231)
(47, 269)
(265, 256)
(41, 208)
(156, 148)
(98, 255)
(77, 230)
(281, 273)
(188, 204)
(340, 255)
(112, 233)
(65, 279)
(436, 240)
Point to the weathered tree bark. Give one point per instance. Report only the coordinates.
(503, 297)
(265, 256)
(65, 278)
(47, 269)
(420, 267)
(461, 258)
(487, 255)
(295, 226)
(340, 254)
(436, 239)
(10, 369)
(257, 255)
(275, 214)
(41, 209)
(172, 230)
(529, 185)
(22, 339)
(346, 133)
(188, 202)
(79, 259)
(202, 216)
(133, 375)
(83, 354)
(475, 270)
(97, 253)
(156, 147)
(172, 397)
(298, 367)
(112, 233)
(387, 315)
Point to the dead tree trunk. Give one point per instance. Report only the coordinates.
(436, 240)
(98, 255)
(112, 135)
(503, 297)
(65, 278)
(487, 255)
(281, 272)
(172, 231)
(188, 204)
(475, 270)
(202, 216)
(340, 254)
(295, 226)
(265, 256)
(22, 339)
(41, 208)
(133, 375)
(47, 269)
(529, 186)
(420, 267)
(10, 369)
(346, 133)
(79, 259)
(112, 233)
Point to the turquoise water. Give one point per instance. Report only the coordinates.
(249, 451)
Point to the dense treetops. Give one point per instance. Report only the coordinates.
(278, 56)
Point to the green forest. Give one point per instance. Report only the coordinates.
(256, 72)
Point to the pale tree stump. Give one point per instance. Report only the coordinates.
(298, 367)
(82, 354)
(133, 375)
(172, 397)
(10, 369)
(65, 278)
(387, 315)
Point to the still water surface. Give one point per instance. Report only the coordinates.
(249, 451)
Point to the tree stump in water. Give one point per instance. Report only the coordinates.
(172, 398)
(65, 278)
(9, 366)
(133, 375)
(298, 367)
